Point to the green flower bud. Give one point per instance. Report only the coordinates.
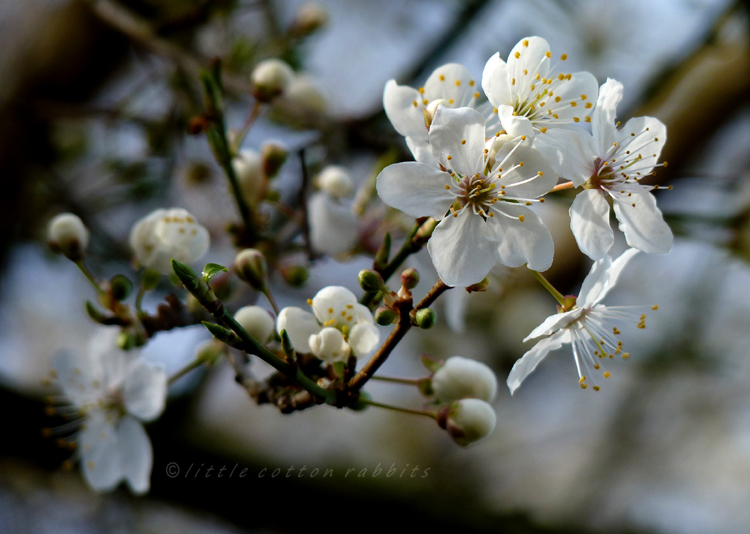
(273, 155)
(385, 315)
(426, 318)
(250, 265)
(125, 341)
(410, 278)
(295, 275)
(121, 287)
(370, 280)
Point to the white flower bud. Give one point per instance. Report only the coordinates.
(257, 321)
(168, 234)
(67, 234)
(470, 420)
(271, 78)
(249, 170)
(303, 95)
(329, 345)
(432, 106)
(463, 377)
(310, 17)
(335, 181)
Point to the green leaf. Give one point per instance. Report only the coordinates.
(211, 270)
(430, 363)
(339, 368)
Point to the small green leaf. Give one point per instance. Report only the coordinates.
(430, 363)
(211, 270)
(339, 368)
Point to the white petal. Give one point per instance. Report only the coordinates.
(528, 362)
(529, 55)
(594, 283)
(553, 323)
(458, 134)
(534, 178)
(299, 324)
(642, 223)
(496, 82)
(145, 390)
(461, 250)
(416, 189)
(333, 226)
(610, 277)
(329, 345)
(589, 221)
(136, 455)
(363, 339)
(605, 113)
(363, 314)
(568, 152)
(100, 452)
(329, 302)
(649, 137)
(574, 93)
(399, 104)
(513, 124)
(421, 150)
(521, 242)
(77, 377)
(451, 82)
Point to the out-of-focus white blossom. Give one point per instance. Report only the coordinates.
(463, 377)
(336, 181)
(249, 170)
(271, 78)
(333, 226)
(338, 326)
(168, 234)
(470, 420)
(114, 391)
(67, 233)
(257, 321)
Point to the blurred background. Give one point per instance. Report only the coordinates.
(95, 105)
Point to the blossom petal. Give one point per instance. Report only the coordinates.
(461, 250)
(594, 282)
(403, 106)
(568, 152)
(333, 226)
(421, 150)
(451, 82)
(609, 277)
(363, 339)
(553, 323)
(603, 119)
(642, 223)
(527, 59)
(527, 174)
(515, 125)
(363, 314)
(416, 189)
(329, 345)
(300, 325)
(528, 362)
(457, 139)
(496, 82)
(77, 377)
(136, 455)
(589, 221)
(521, 242)
(100, 452)
(145, 390)
(574, 94)
(644, 138)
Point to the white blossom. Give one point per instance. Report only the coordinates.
(590, 327)
(338, 326)
(480, 199)
(114, 391)
(168, 234)
(610, 163)
(67, 233)
(271, 78)
(463, 377)
(248, 168)
(333, 226)
(336, 181)
(470, 420)
(450, 85)
(256, 321)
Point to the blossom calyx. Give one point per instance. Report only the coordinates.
(68, 235)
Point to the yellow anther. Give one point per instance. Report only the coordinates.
(458, 83)
(596, 366)
(471, 83)
(555, 115)
(415, 103)
(557, 99)
(449, 158)
(582, 379)
(564, 57)
(447, 187)
(463, 141)
(576, 119)
(521, 218)
(584, 386)
(573, 104)
(596, 388)
(625, 355)
(655, 307)
(525, 72)
(589, 105)
(517, 55)
(540, 173)
(588, 119)
(525, 42)
(494, 110)
(349, 318)
(606, 374)
(330, 310)
(521, 163)
(523, 138)
(548, 54)
(450, 101)
(513, 81)
(441, 78)
(343, 314)
(491, 214)
(568, 76)
(543, 129)
(425, 102)
(421, 90)
(476, 95)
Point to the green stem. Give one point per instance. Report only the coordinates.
(251, 118)
(426, 413)
(405, 381)
(139, 298)
(267, 292)
(89, 276)
(185, 370)
(549, 287)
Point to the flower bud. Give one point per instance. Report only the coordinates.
(295, 275)
(470, 420)
(303, 95)
(479, 286)
(250, 266)
(463, 377)
(335, 181)
(329, 345)
(121, 287)
(273, 155)
(370, 280)
(426, 318)
(247, 167)
(270, 79)
(309, 18)
(429, 111)
(385, 315)
(257, 322)
(68, 235)
(409, 278)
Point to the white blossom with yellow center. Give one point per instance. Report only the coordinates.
(590, 327)
(339, 326)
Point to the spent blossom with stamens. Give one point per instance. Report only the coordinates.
(339, 326)
(112, 392)
(590, 327)
(611, 163)
(480, 196)
(450, 85)
(529, 97)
